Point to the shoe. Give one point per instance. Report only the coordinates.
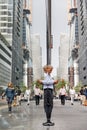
(72, 104)
(45, 124)
(48, 123)
(10, 114)
(51, 123)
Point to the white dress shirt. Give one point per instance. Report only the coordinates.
(48, 82)
(72, 92)
(63, 91)
(36, 91)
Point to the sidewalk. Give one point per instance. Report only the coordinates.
(3, 103)
(31, 117)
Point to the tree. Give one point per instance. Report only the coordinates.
(61, 83)
(78, 87)
(22, 87)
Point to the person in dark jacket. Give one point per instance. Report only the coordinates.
(85, 92)
(82, 91)
(10, 93)
(82, 95)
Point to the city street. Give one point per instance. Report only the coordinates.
(43, 53)
(24, 117)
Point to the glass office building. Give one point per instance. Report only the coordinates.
(6, 19)
(5, 62)
(11, 14)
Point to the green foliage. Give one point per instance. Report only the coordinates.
(39, 85)
(60, 84)
(22, 87)
(78, 87)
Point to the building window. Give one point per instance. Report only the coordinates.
(84, 68)
(4, 59)
(84, 77)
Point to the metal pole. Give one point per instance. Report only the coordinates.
(48, 31)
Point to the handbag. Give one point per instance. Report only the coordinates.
(85, 103)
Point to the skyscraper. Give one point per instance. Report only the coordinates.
(6, 27)
(5, 62)
(82, 59)
(26, 43)
(73, 41)
(63, 56)
(6, 19)
(17, 52)
(36, 57)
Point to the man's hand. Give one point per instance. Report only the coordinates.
(39, 81)
(56, 81)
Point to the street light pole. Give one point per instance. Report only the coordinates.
(48, 30)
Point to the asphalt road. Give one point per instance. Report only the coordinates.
(24, 117)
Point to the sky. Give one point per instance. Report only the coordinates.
(59, 25)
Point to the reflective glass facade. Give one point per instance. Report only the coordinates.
(5, 64)
(6, 19)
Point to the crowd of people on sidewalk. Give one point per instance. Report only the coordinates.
(73, 95)
(17, 94)
(13, 97)
(83, 96)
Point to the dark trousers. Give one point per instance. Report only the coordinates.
(63, 99)
(37, 99)
(48, 102)
(9, 101)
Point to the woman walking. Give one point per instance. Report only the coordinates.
(72, 95)
(37, 95)
(62, 95)
(27, 94)
(10, 93)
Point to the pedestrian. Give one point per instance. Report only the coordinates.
(10, 93)
(48, 83)
(72, 95)
(82, 95)
(18, 95)
(85, 92)
(27, 94)
(62, 94)
(37, 94)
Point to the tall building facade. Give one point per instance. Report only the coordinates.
(82, 59)
(17, 52)
(11, 15)
(5, 62)
(36, 57)
(6, 27)
(15, 27)
(26, 43)
(30, 8)
(6, 19)
(73, 42)
(63, 56)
